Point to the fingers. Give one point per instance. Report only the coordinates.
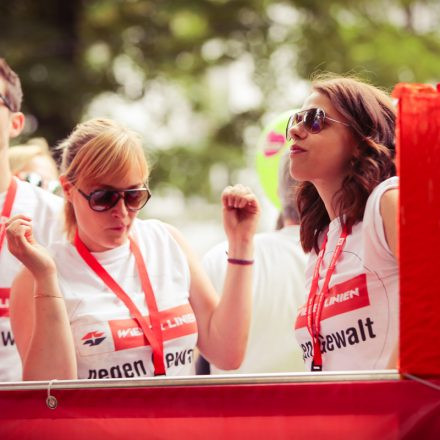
(19, 233)
(14, 222)
(19, 216)
(239, 197)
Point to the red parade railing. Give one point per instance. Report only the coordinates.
(400, 404)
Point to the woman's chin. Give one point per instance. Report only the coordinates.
(298, 175)
(120, 240)
(115, 241)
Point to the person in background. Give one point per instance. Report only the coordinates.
(278, 289)
(17, 197)
(33, 163)
(119, 296)
(342, 151)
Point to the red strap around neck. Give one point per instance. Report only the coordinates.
(154, 334)
(7, 208)
(315, 301)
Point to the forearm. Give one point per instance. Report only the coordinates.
(51, 352)
(230, 322)
(224, 326)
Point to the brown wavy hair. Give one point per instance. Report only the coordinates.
(371, 115)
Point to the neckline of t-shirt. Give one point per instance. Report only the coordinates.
(109, 256)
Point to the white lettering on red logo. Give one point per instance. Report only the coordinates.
(4, 302)
(341, 298)
(175, 323)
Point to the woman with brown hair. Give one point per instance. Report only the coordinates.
(123, 297)
(343, 152)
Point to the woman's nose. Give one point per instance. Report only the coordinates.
(120, 208)
(297, 131)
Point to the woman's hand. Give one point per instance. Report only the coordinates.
(241, 212)
(23, 246)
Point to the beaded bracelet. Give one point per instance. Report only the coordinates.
(240, 262)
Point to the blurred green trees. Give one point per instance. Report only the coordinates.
(199, 78)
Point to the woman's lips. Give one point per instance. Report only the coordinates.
(118, 228)
(295, 149)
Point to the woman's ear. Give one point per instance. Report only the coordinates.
(67, 187)
(16, 125)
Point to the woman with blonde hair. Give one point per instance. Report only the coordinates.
(342, 151)
(123, 297)
(33, 163)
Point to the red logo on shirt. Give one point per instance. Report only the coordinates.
(341, 298)
(4, 302)
(93, 338)
(175, 323)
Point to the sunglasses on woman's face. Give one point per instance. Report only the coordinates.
(104, 199)
(313, 121)
(6, 103)
(36, 179)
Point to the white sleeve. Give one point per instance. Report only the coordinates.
(377, 253)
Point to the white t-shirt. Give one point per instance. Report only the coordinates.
(360, 317)
(45, 211)
(108, 342)
(278, 290)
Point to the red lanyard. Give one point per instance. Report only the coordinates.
(153, 334)
(7, 208)
(315, 301)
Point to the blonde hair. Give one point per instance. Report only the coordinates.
(96, 150)
(20, 155)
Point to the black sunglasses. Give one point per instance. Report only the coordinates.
(6, 102)
(313, 120)
(104, 199)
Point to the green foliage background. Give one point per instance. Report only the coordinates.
(66, 51)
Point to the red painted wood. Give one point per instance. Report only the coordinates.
(418, 143)
(347, 410)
